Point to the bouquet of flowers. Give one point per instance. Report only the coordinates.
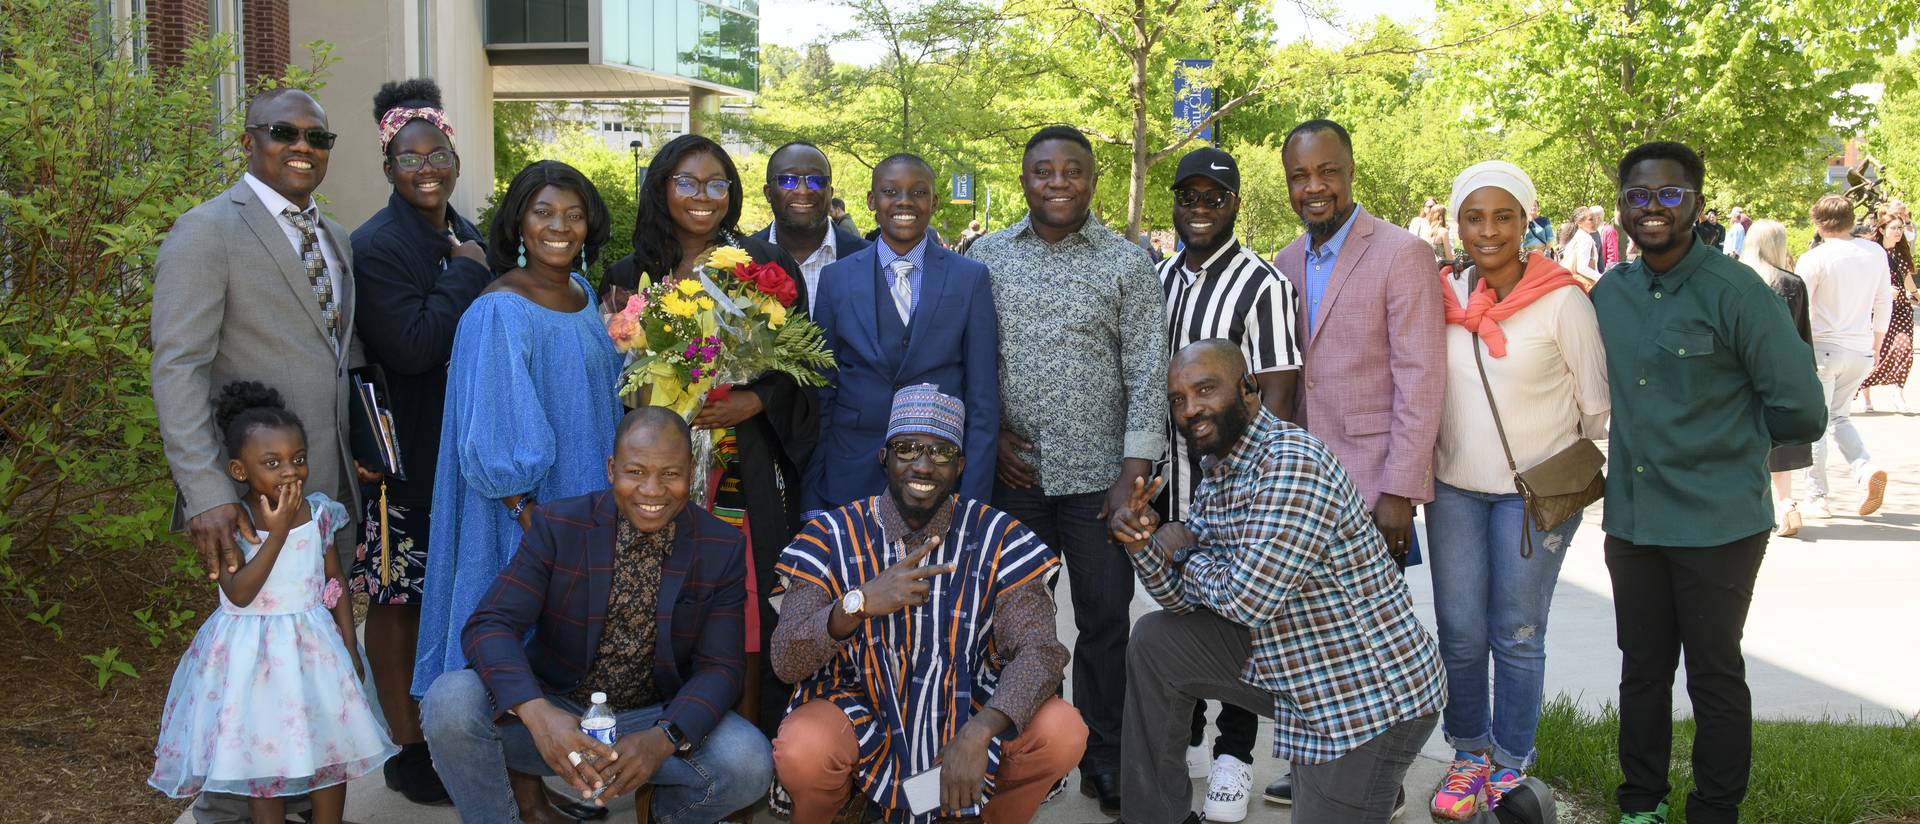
(725, 324)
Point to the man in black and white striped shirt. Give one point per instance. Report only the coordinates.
(1219, 288)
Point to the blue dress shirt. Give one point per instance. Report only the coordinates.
(917, 256)
(1320, 266)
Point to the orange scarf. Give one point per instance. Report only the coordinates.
(1485, 309)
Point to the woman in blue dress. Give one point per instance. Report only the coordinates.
(530, 400)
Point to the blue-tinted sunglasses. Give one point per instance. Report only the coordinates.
(814, 182)
(1669, 196)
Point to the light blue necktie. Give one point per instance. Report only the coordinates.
(903, 289)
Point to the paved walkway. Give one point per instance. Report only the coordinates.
(1824, 609)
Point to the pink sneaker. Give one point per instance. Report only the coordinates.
(1459, 795)
(1501, 782)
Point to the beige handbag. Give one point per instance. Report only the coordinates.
(1557, 488)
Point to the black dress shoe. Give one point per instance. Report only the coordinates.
(1104, 787)
(1280, 791)
(410, 773)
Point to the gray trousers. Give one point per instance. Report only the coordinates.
(1177, 659)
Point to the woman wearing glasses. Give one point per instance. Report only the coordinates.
(418, 265)
(690, 205)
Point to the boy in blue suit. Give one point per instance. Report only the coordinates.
(903, 311)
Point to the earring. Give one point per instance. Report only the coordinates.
(522, 260)
(583, 260)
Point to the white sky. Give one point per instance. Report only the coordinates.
(798, 22)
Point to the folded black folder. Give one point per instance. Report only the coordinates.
(374, 442)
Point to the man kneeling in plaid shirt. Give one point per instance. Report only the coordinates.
(1280, 598)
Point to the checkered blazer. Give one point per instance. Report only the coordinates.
(557, 585)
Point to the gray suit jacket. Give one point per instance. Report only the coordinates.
(231, 301)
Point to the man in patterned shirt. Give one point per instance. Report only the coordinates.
(1083, 363)
(1279, 594)
(1219, 288)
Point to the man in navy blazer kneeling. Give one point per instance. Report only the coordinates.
(901, 312)
(576, 612)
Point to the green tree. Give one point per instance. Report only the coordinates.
(1750, 84)
(1894, 138)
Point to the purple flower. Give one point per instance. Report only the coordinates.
(697, 373)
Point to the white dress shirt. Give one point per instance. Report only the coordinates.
(810, 268)
(1551, 386)
(1849, 293)
(277, 203)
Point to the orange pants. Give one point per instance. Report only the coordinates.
(815, 755)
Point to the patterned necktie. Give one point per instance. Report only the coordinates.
(903, 289)
(317, 276)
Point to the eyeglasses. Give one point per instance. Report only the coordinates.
(814, 182)
(412, 161)
(689, 186)
(909, 451)
(1213, 199)
(1669, 196)
(289, 134)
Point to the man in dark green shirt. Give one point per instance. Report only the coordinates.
(1707, 374)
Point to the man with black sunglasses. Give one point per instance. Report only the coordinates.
(800, 189)
(256, 285)
(1218, 288)
(1707, 373)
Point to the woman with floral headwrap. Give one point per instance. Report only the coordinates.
(418, 265)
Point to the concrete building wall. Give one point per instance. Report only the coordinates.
(366, 37)
(459, 62)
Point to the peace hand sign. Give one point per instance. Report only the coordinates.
(904, 584)
(1132, 525)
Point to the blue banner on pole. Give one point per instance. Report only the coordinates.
(962, 189)
(1192, 100)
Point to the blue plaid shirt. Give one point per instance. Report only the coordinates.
(1285, 547)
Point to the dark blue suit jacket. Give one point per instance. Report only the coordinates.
(954, 342)
(557, 585)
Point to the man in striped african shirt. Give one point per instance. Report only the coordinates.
(919, 627)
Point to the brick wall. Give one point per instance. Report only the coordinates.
(264, 37)
(171, 26)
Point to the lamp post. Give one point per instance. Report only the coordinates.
(634, 147)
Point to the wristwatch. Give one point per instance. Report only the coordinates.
(854, 603)
(679, 741)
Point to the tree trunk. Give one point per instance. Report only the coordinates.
(1137, 90)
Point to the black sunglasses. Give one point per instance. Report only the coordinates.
(909, 451)
(283, 133)
(1669, 196)
(438, 159)
(814, 182)
(1214, 198)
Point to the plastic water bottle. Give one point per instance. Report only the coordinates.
(597, 724)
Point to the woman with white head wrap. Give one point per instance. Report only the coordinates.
(1540, 345)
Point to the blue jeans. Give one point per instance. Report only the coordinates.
(1490, 601)
(731, 769)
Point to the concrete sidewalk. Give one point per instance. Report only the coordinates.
(1827, 638)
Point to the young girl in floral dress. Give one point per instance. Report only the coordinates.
(268, 701)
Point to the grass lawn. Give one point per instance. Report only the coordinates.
(1804, 772)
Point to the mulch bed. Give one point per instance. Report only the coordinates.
(70, 751)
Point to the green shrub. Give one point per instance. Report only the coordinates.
(98, 155)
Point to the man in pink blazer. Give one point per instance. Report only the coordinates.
(1371, 328)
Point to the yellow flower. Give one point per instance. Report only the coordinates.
(776, 314)
(706, 303)
(688, 287)
(727, 257)
(676, 305)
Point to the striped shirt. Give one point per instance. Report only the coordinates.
(909, 681)
(1236, 296)
(1284, 546)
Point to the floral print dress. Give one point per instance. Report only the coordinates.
(266, 701)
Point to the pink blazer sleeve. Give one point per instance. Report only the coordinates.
(1417, 355)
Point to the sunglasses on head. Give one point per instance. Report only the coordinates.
(909, 451)
(316, 137)
(688, 186)
(412, 161)
(814, 182)
(1213, 199)
(1669, 196)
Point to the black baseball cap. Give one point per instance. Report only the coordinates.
(1209, 162)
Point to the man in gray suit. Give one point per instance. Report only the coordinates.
(255, 284)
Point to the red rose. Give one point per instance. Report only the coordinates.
(773, 280)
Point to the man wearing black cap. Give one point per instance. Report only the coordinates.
(1219, 288)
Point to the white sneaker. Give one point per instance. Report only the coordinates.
(1228, 789)
(1197, 765)
(1816, 508)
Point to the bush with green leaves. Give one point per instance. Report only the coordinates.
(98, 155)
